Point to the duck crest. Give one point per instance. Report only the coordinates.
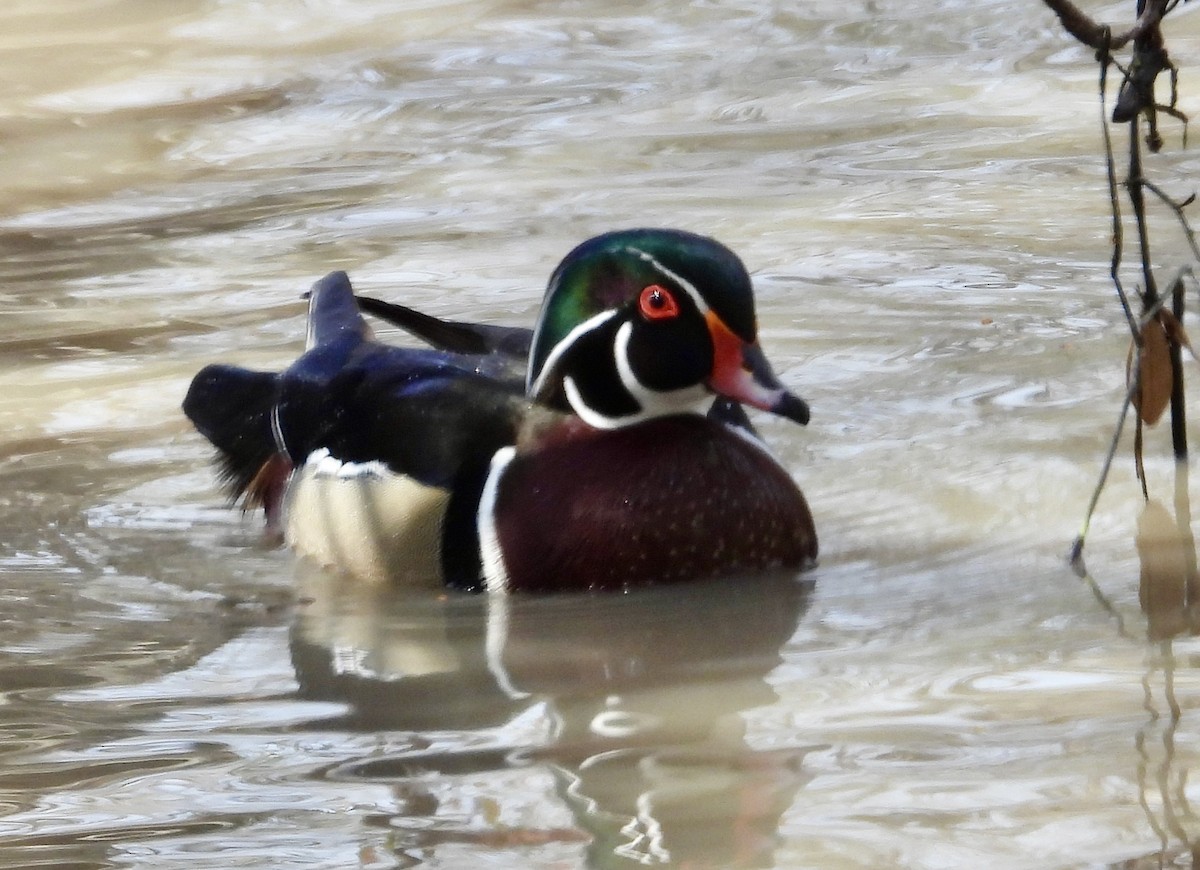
(606, 448)
(601, 279)
(606, 272)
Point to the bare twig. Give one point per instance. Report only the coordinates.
(1177, 208)
(1118, 234)
(1133, 185)
(1178, 405)
(1149, 59)
(1099, 36)
(1075, 555)
(1135, 100)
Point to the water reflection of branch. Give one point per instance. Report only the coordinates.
(1143, 767)
(1175, 812)
(1187, 543)
(1108, 607)
(1167, 657)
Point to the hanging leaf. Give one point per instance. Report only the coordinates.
(1176, 332)
(1153, 392)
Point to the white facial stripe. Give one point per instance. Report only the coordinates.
(653, 403)
(624, 369)
(495, 576)
(585, 413)
(556, 352)
(535, 387)
(688, 287)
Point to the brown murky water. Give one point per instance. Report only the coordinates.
(918, 191)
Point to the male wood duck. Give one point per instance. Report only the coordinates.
(605, 449)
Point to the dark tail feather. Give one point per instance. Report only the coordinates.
(232, 408)
(452, 335)
(333, 310)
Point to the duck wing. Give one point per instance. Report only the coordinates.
(430, 415)
(457, 336)
(500, 352)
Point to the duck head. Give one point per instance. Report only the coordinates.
(645, 323)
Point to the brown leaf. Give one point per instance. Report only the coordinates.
(1175, 331)
(1154, 372)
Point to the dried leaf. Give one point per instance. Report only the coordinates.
(1153, 393)
(1175, 331)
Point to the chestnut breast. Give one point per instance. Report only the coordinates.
(670, 499)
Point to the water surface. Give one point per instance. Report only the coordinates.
(918, 191)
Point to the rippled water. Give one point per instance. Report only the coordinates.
(918, 191)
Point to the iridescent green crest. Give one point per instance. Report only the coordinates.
(607, 272)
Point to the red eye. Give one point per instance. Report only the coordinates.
(657, 303)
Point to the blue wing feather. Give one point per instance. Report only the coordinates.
(432, 415)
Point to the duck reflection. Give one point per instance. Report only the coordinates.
(1169, 594)
(638, 699)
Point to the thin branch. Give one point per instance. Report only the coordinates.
(1075, 556)
(1133, 186)
(1099, 36)
(1114, 197)
(1178, 208)
(1134, 101)
(1178, 401)
(1138, 464)
(1149, 59)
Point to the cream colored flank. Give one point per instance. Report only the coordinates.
(365, 520)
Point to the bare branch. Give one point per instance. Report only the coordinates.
(1100, 36)
(1177, 208)
(1117, 232)
(1081, 26)
(1075, 556)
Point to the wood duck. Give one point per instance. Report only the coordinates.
(606, 448)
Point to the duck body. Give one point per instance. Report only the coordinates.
(605, 449)
(673, 498)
